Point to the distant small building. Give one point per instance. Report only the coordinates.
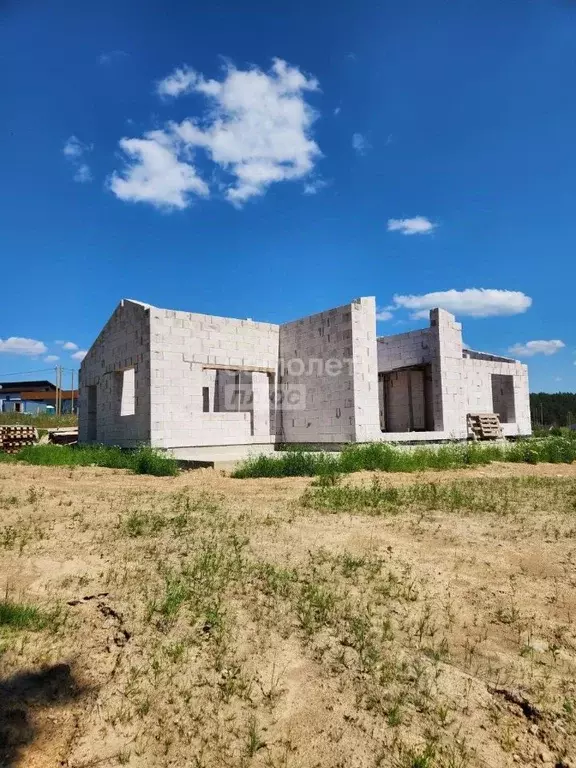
(34, 397)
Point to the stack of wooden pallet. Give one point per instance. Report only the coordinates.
(63, 435)
(484, 426)
(13, 437)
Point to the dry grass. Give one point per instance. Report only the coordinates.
(425, 620)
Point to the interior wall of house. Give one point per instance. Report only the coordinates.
(114, 385)
(503, 397)
(414, 349)
(404, 395)
(404, 350)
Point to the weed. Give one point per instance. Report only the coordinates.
(274, 690)
(314, 607)
(394, 715)
(254, 742)
(176, 593)
(423, 759)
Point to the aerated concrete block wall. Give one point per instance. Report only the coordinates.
(365, 370)
(328, 376)
(316, 394)
(404, 350)
(120, 413)
(447, 380)
(477, 375)
(184, 346)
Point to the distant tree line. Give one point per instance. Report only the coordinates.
(553, 409)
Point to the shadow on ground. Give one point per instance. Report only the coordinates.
(22, 698)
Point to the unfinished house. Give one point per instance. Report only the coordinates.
(194, 383)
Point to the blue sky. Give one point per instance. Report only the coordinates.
(269, 161)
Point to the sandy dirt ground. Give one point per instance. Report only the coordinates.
(207, 621)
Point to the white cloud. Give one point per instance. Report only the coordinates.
(314, 186)
(68, 345)
(360, 143)
(337, 111)
(73, 147)
(179, 82)
(74, 150)
(256, 130)
(17, 345)
(474, 302)
(110, 56)
(51, 358)
(155, 174)
(384, 314)
(418, 225)
(83, 173)
(531, 348)
(80, 355)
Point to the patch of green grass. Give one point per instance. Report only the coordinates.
(486, 495)
(566, 432)
(19, 535)
(315, 606)
(555, 450)
(389, 458)
(180, 517)
(46, 420)
(200, 583)
(143, 524)
(147, 461)
(20, 616)
(295, 463)
(143, 461)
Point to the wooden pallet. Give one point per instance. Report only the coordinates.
(14, 437)
(484, 426)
